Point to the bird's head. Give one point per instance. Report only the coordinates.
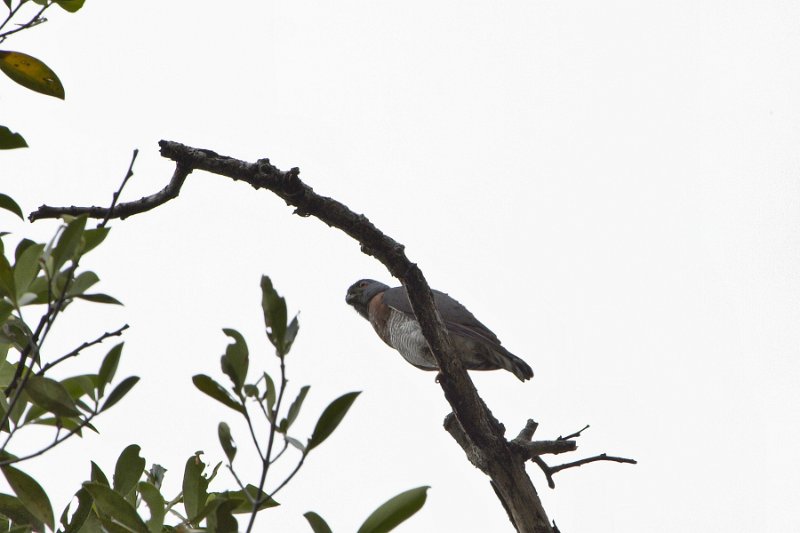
(361, 292)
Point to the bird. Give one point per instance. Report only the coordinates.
(390, 313)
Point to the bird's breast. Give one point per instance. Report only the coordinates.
(401, 332)
(405, 336)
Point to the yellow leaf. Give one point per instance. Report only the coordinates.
(31, 73)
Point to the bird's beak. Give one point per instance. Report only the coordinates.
(350, 298)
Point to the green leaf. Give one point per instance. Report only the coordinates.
(269, 393)
(98, 476)
(16, 411)
(291, 333)
(129, 469)
(70, 5)
(31, 73)
(10, 140)
(12, 507)
(244, 502)
(93, 237)
(120, 391)
(155, 502)
(274, 308)
(107, 525)
(215, 390)
(5, 313)
(226, 440)
(78, 386)
(108, 368)
(7, 370)
(111, 503)
(7, 285)
(22, 245)
(70, 424)
(318, 525)
(99, 298)
(221, 520)
(6, 202)
(81, 513)
(27, 267)
(395, 511)
(296, 443)
(81, 282)
(195, 488)
(235, 362)
(93, 523)
(31, 494)
(251, 390)
(294, 409)
(39, 287)
(68, 242)
(330, 418)
(51, 396)
(17, 333)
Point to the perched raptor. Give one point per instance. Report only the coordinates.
(389, 312)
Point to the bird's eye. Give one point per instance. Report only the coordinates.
(362, 284)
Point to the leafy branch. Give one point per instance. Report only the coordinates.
(46, 275)
(115, 505)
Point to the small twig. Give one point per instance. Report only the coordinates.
(10, 15)
(246, 415)
(173, 502)
(53, 444)
(239, 482)
(32, 22)
(285, 481)
(83, 346)
(550, 470)
(115, 197)
(576, 434)
(285, 447)
(601, 457)
(267, 458)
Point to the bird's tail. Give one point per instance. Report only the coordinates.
(517, 366)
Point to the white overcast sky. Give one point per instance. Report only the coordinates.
(612, 187)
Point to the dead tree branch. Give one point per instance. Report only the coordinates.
(471, 424)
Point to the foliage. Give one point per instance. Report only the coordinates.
(44, 279)
(47, 278)
(26, 70)
(385, 518)
(267, 396)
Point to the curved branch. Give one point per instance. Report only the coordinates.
(124, 209)
(76, 351)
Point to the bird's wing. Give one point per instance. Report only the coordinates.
(457, 318)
